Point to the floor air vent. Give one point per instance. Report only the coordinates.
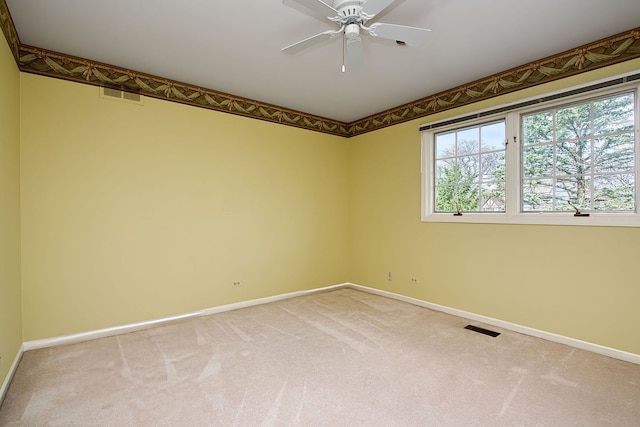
(482, 331)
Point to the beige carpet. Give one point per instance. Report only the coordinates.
(339, 358)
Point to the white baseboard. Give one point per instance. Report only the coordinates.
(584, 345)
(102, 333)
(117, 330)
(10, 374)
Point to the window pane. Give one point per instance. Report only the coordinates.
(451, 198)
(614, 193)
(469, 141)
(573, 122)
(468, 197)
(469, 168)
(445, 172)
(493, 166)
(573, 157)
(613, 114)
(537, 195)
(446, 198)
(574, 189)
(493, 197)
(537, 128)
(445, 145)
(493, 136)
(614, 153)
(537, 161)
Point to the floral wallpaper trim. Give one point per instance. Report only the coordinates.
(9, 29)
(614, 49)
(53, 64)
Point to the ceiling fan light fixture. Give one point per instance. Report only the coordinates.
(352, 31)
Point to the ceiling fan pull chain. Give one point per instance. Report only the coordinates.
(344, 42)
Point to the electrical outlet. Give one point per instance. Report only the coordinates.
(389, 277)
(414, 280)
(236, 283)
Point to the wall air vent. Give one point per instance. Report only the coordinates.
(116, 94)
(482, 331)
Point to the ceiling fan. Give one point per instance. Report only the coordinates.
(352, 16)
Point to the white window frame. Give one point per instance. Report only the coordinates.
(512, 117)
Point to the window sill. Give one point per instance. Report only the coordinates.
(564, 218)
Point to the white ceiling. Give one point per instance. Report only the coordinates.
(233, 46)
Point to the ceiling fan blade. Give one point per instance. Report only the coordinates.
(320, 7)
(410, 35)
(373, 7)
(355, 54)
(308, 42)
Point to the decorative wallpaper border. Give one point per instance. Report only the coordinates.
(609, 51)
(614, 49)
(54, 64)
(9, 29)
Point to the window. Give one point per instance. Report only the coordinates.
(581, 155)
(569, 160)
(469, 169)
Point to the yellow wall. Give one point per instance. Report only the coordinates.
(580, 282)
(133, 212)
(10, 299)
